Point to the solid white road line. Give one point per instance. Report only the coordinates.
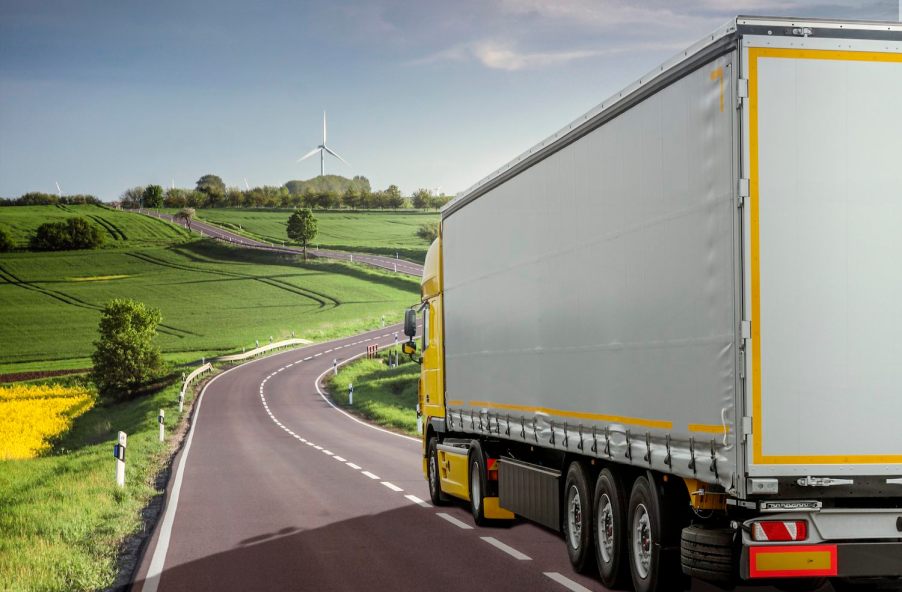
(158, 559)
(566, 582)
(454, 521)
(507, 549)
(392, 486)
(348, 415)
(418, 501)
(370, 475)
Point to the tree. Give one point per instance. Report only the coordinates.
(302, 228)
(131, 198)
(428, 232)
(153, 196)
(74, 233)
(6, 244)
(212, 186)
(186, 215)
(422, 198)
(125, 356)
(175, 198)
(393, 197)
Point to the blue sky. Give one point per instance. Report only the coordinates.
(102, 96)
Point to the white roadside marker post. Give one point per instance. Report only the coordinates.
(119, 453)
(182, 399)
(350, 394)
(334, 367)
(162, 434)
(352, 257)
(383, 321)
(396, 268)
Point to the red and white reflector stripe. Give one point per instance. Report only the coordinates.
(780, 530)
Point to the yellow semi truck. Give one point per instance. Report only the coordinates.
(671, 330)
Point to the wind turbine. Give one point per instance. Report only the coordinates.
(59, 191)
(322, 149)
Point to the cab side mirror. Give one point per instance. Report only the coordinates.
(410, 323)
(409, 347)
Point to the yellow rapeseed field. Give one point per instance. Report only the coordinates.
(30, 415)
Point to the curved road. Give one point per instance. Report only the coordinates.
(276, 489)
(206, 229)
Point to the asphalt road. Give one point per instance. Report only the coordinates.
(217, 232)
(275, 489)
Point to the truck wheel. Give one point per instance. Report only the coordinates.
(709, 554)
(650, 569)
(578, 518)
(610, 530)
(435, 485)
(477, 483)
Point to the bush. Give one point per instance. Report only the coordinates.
(74, 233)
(125, 356)
(428, 232)
(6, 244)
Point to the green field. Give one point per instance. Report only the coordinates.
(384, 233)
(387, 396)
(214, 298)
(120, 229)
(63, 516)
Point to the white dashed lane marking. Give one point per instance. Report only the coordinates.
(370, 475)
(418, 501)
(507, 549)
(566, 582)
(392, 486)
(454, 521)
(353, 466)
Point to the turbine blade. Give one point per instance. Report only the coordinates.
(309, 154)
(324, 127)
(327, 149)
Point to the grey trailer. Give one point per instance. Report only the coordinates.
(694, 288)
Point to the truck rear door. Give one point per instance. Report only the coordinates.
(822, 255)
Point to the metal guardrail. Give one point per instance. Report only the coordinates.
(262, 350)
(194, 374)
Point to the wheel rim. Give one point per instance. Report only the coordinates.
(642, 541)
(475, 487)
(574, 517)
(606, 528)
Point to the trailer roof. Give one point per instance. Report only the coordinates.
(720, 41)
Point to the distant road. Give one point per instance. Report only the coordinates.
(206, 229)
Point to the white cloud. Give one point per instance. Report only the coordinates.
(497, 55)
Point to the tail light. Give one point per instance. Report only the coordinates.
(780, 530)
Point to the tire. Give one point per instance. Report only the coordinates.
(577, 518)
(476, 480)
(435, 485)
(609, 530)
(709, 554)
(651, 568)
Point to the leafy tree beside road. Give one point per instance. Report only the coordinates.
(186, 215)
(125, 356)
(302, 227)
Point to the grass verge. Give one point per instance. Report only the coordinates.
(386, 396)
(63, 518)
